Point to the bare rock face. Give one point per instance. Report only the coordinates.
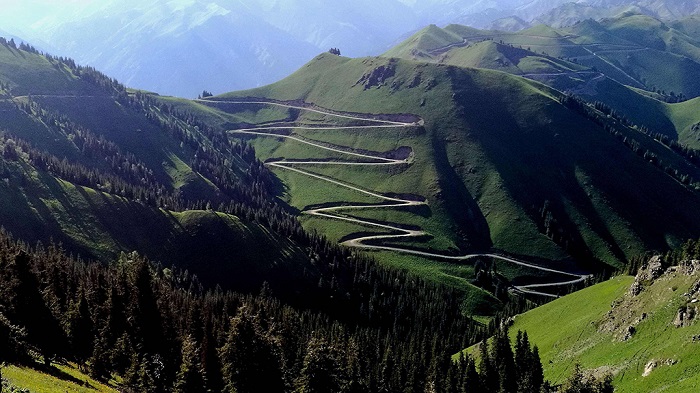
(635, 289)
(377, 76)
(650, 366)
(628, 333)
(621, 320)
(654, 363)
(653, 270)
(690, 268)
(694, 289)
(685, 316)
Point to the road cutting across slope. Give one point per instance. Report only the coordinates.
(395, 231)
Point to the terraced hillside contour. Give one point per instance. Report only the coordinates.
(339, 211)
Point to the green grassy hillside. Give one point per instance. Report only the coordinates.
(686, 119)
(87, 164)
(592, 327)
(634, 50)
(39, 207)
(643, 62)
(652, 33)
(104, 170)
(60, 378)
(493, 153)
(478, 49)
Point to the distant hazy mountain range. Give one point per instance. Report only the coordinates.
(222, 45)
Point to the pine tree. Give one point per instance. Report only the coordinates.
(13, 347)
(144, 314)
(576, 383)
(537, 373)
(99, 361)
(190, 377)
(487, 370)
(502, 356)
(147, 379)
(322, 371)
(250, 361)
(470, 382)
(80, 329)
(131, 375)
(27, 307)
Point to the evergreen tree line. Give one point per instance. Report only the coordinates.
(246, 185)
(95, 148)
(252, 186)
(689, 153)
(689, 251)
(598, 113)
(11, 44)
(552, 221)
(161, 331)
(153, 194)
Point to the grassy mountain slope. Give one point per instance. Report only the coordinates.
(634, 50)
(592, 327)
(497, 56)
(678, 121)
(637, 56)
(686, 118)
(37, 206)
(652, 33)
(494, 152)
(63, 378)
(690, 26)
(26, 73)
(109, 154)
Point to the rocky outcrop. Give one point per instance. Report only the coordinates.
(653, 270)
(646, 275)
(654, 363)
(689, 268)
(686, 315)
(621, 320)
(377, 76)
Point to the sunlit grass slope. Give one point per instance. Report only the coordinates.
(589, 327)
(494, 148)
(62, 378)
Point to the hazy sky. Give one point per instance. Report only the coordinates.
(25, 13)
(29, 14)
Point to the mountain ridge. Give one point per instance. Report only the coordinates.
(398, 87)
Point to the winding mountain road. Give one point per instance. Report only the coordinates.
(369, 242)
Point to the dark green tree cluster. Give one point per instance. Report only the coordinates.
(620, 127)
(501, 368)
(153, 193)
(8, 43)
(552, 221)
(161, 331)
